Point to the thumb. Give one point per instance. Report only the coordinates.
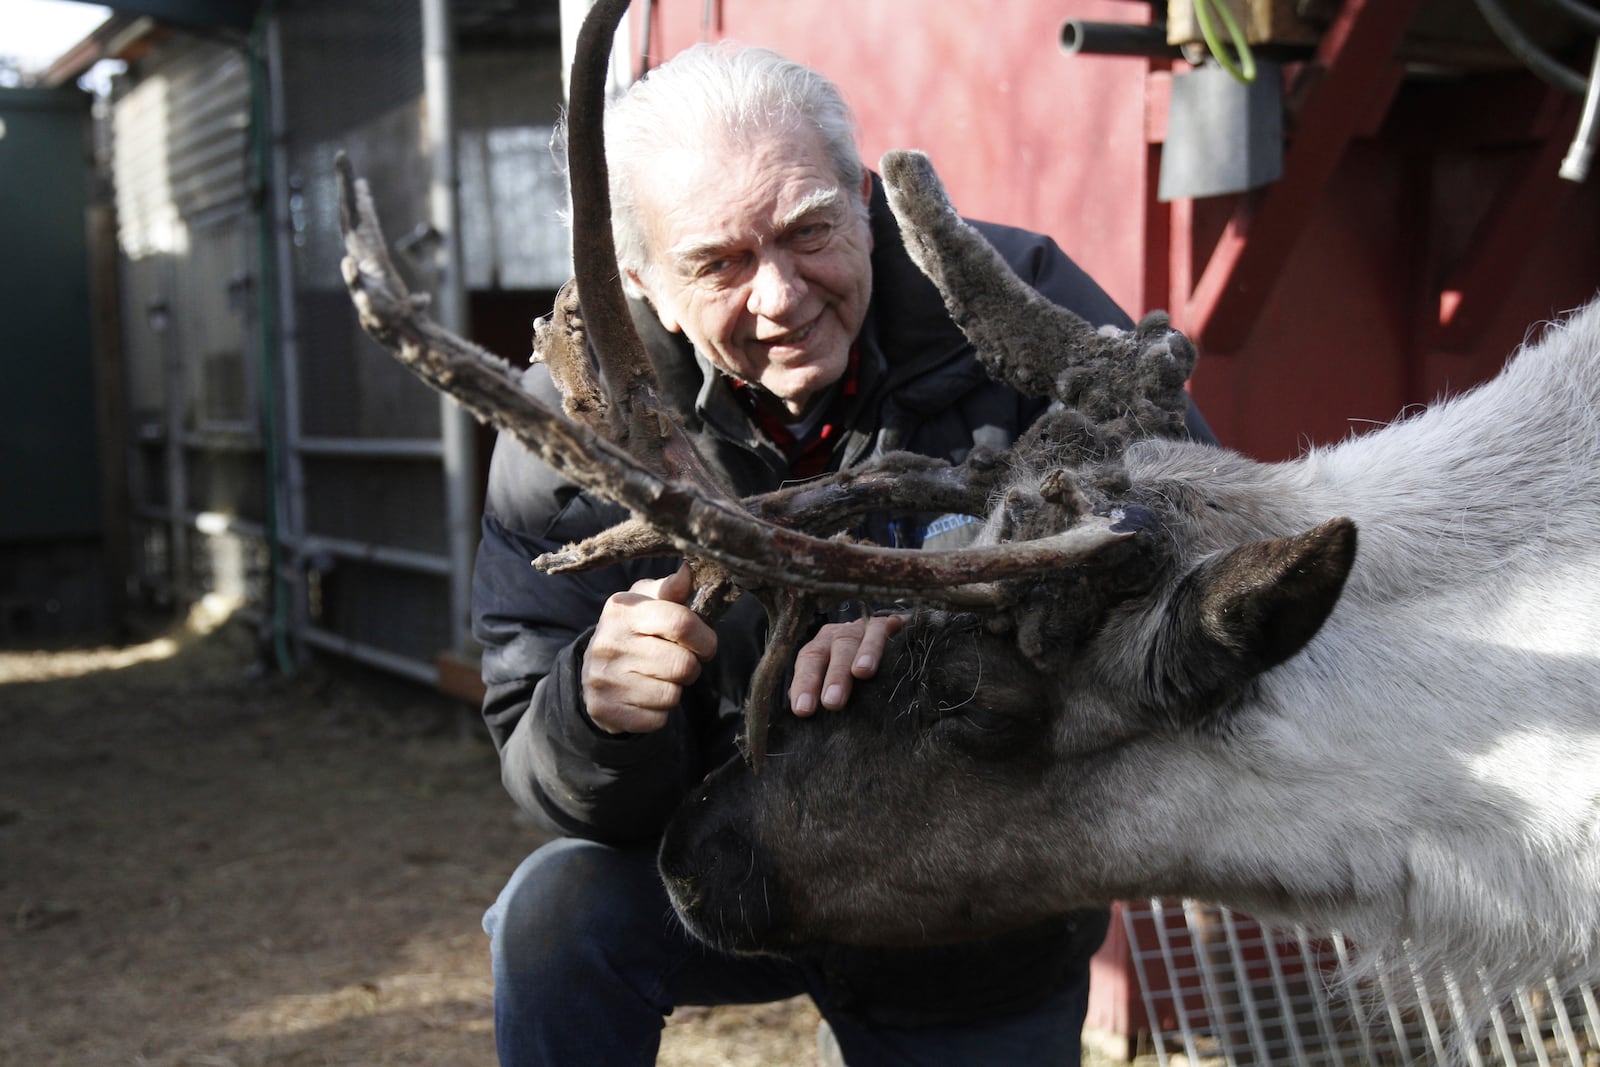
(677, 586)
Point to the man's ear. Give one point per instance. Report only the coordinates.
(668, 320)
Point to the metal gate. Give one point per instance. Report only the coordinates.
(372, 525)
(277, 455)
(1220, 988)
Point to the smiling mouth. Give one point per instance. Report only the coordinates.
(793, 337)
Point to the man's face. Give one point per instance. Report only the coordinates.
(762, 259)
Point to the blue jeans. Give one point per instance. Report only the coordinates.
(589, 959)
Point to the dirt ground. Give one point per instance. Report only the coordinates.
(201, 865)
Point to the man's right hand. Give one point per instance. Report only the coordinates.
(646, 647)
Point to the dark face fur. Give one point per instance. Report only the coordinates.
(958, 722)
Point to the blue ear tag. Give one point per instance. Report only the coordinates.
(950, 531)
(1131, 519)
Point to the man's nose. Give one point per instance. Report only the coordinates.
(777, 287)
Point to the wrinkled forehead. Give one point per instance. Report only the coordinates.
(724, 182)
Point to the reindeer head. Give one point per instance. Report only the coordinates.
(969, 788)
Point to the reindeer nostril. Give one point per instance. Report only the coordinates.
(720, 884)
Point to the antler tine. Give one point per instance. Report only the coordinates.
(823, 507)
(559, 342)
(1024, 339)
(629, 377)
(698, 521)
(789, 613)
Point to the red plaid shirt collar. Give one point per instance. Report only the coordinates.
(807, 456)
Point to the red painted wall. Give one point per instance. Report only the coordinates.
(1020, 133)
(1026, 135)
(1341, 340)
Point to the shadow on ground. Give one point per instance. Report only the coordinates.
(207, 865)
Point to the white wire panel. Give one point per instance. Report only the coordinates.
(1224, 990)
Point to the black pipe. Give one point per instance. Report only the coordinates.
(1079, 37)
(1579, 12)
(1523, 47)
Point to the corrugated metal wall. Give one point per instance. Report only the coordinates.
(189, 285)
(361, 519)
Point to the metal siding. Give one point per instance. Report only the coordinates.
(349, 386)
(364, 505)
(210, 88)
(217, 325)
(144, 283)
(179, 149)
(179, 142)
(147, 217)
(512, 200)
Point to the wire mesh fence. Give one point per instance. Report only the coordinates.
(1223, 989)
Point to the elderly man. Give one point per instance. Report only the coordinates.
(794, 336)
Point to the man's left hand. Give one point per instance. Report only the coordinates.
(828, 664)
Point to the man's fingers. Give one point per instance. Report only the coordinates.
(810, 666)
(870, 652)
(646, 647)
(674, 623)
(676, 586)
(841, 652)
(836, 682)
(654, 607)
(634, 694)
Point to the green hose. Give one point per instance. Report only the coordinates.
(1245, 69)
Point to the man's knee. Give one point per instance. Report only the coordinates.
(570, 897)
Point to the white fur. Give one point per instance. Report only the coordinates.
(1432, 759)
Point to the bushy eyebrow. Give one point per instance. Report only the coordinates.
(698, 249)
(818, 201)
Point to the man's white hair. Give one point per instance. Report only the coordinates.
(708, 90)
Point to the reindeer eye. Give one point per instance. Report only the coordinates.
(984, 720)
(978, 727)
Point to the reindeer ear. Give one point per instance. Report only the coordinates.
(1247, 611)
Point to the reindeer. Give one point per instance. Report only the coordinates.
(1359, 690)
